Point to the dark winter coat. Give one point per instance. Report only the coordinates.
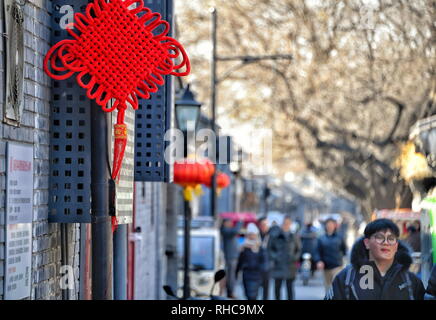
(230, 242)
(431, 288)
(308, 241)
(331, 250)
(266, 265)
(397, 284)
(250, 263)
(284, 250)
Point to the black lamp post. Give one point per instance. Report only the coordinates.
(187, 116)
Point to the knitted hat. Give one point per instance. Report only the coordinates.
(252, 228)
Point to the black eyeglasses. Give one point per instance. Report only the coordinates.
(390, 239)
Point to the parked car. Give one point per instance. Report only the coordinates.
(206, 258)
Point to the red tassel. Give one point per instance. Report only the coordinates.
(119, 149)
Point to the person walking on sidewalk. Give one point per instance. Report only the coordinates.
(330, 252)
(379, 268)
(229, 235)
(284, 251)
(266, 266)
(309, 244)
(250, 261)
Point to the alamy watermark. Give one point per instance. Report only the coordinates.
(367, 280)
(257, 158)
(67, 20)
(67, 279)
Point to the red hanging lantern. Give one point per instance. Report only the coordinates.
(122, 56)
(208, 169)
(190, 175)
(222, 180)
(187, 174)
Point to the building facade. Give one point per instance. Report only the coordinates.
(32, 130)
(27, 121)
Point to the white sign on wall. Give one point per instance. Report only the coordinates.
(19, 212)
(124, 187)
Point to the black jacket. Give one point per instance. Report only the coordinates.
(397, 284)
(431, 288)
(284, 250)
(251, 263)
(266, 264)
(230, 241)
(331, 250)
(309, 241)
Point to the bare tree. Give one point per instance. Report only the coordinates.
(363, 73)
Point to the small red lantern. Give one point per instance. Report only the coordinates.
(222, 180)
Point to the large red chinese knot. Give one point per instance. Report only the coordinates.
(121, 53)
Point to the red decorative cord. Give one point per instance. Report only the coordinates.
(118, 54)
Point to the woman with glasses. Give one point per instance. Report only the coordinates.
(379, 268)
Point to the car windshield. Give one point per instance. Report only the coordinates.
(202, 252)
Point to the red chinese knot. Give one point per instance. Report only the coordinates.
(119, 54)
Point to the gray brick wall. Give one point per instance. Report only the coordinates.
(73, 231)
(34, 129)
(150, 262)
(174, 207)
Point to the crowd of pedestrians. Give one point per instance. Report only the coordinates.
(378, 269)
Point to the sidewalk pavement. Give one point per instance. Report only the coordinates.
(313, 291)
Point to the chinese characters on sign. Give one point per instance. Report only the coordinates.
(19, 199)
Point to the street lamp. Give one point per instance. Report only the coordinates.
(215, 81)
(187, 111)
(187, 116)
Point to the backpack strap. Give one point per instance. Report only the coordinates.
(354, 289)
(406, 277)
(349, 286)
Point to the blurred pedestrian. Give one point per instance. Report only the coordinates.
(413, 238)
(250, 261)
(229, 235)
(284, 249)
(308, 244)
(379, 268)
(403, 233)
(330, 252)
(266, 266)
(344, 226)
